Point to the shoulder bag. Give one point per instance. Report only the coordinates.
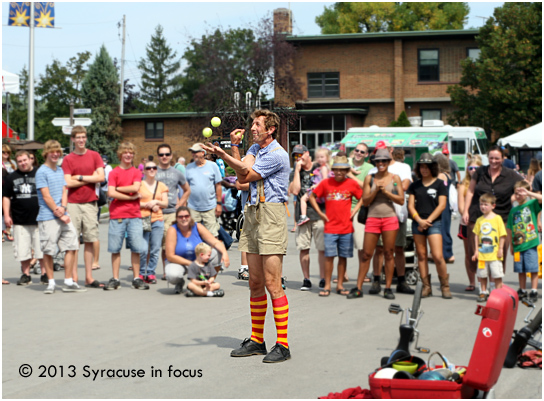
(363, 212)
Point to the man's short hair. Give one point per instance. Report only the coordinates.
(398, 155)
(202, 248)
(22, 153)
(363, 144)
(51, 146)
(270, 120)
(488, 198)
(78, 129)
(164, 145)
(522, 184)
(124, 147)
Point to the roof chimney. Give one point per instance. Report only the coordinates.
(283, 21)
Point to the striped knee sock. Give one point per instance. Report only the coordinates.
(258, 312)
(281, 317)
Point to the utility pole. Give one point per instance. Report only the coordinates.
(122, 94)
(30, 124)
(71, 124)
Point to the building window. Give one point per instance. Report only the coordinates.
(473, 53)
(324, 84)
(428, 65)
(154, 130)
(435, 114)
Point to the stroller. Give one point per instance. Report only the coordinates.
(232, 208)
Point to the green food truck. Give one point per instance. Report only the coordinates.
(417, 140)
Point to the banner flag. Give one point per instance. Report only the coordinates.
(44, 14)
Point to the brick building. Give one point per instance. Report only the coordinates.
(350, 80)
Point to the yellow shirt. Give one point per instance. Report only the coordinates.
(146, 197)
(489, 232)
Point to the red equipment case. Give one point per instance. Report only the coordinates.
(486, 361)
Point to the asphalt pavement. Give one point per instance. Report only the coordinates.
(66, 345)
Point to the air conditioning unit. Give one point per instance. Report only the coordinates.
(433, 123)
(415, 121)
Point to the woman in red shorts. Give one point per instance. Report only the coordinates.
(379, 192)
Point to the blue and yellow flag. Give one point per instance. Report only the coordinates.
(44, 14)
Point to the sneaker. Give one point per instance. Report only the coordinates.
(375, 288)
(278, 353)
(301, 221)
(249, 347)
(73, 288)
(404, 288)
(218, 293)
(283, 281)
(355, 293)
(179, 286)
(322, 283)
(190, 294)
(482, 297)
(151, 279)
(50, 289)
(113, 284)
(533, 296)
(307, 285)
(44, 279)
(522, 294)
(24, 280)
(243, 274)
(388, 293)
(139, 284)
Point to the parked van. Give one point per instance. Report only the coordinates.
(417, 140)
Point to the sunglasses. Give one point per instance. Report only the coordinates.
(360, 151)
(164, 154)
(183, 216)
(151, 168)
(473, 168)
(5, 153)
(382, 161)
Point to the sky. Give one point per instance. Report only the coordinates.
(85, 26)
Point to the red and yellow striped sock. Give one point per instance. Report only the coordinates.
(258, 312)
(281, 317)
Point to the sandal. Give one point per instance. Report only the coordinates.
(470, 288)
(8, 235)
(342, 291)
(5, 281)
(95, 267)
(325, 293)
(355, 293)
(95, 284)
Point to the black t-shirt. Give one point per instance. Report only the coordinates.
(502, 188)
(21, 189)
(306, 181)
(426, 198)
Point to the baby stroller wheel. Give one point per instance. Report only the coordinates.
(56, 267)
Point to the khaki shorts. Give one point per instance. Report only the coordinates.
(494, 267)
(401, 236)
(207, 219)
(84, 218)
(312, 229)
(168, 219)
(358, 233)
(55, 232)
(265, 229)
(25, 240)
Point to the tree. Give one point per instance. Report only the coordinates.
(356, 17)
(160, 83)
(402, 121)
(502, 89)
(100, 92)
(18, 105)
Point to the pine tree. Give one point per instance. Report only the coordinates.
(100, 92)
(402, 121)
(160, 83)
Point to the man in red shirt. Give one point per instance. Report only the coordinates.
(125, 216)
(83, 173)
(338, 192)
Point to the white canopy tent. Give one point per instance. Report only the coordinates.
(528, 138)
(10, 82)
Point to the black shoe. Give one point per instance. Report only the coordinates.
(139, 284)
(283, 281)
(403, 288)
(533, 296)
(306, 285)
(388, 293)
(248, 348)
(24, 280)
(322, 283)
(44, 279)
(218, 293)
(522, 294)
(354, 293)
(113, 284)
(179, 286)
(376, 288)
(190, 294)
(278, 353)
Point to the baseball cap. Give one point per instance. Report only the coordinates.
(299, 149)
(538, 156)
(105, 158)
(445, 151)
(197, 148)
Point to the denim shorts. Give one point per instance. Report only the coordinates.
(339, 245)
(436, 228)
(528, 262)
(134, 233)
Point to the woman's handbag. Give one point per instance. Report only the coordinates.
(146, 221)
(363, 212)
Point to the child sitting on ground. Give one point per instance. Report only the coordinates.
(322, 172)
(490, 238)
(523, 226)
(202, 272)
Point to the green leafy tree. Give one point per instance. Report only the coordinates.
(18, 105)
(100, 92)
(357, 17)
(160, 82)
(402, 121)
(502, 89)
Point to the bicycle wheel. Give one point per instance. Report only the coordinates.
(416, 303)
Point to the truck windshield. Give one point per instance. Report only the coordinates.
(482, 144)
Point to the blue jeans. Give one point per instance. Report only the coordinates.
(436, 228)
(447, 241)
(528, 261)
(153, 241)
(131, 229)
(339, 245)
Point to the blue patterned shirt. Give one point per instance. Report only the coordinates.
(273, 166)
(54, 180)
